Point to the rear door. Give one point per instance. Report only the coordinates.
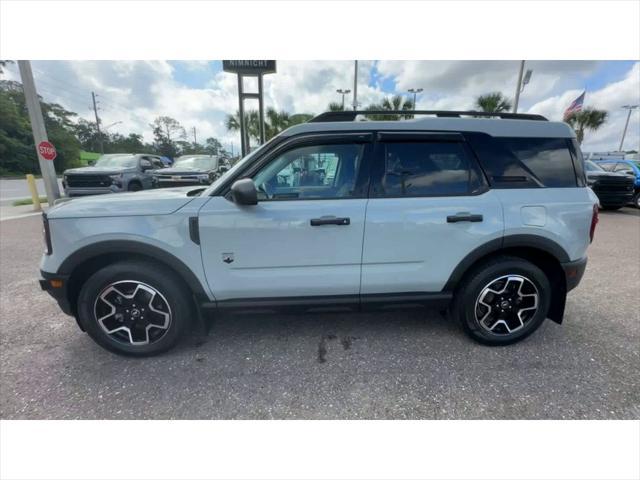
(429, 207)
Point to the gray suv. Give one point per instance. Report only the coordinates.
(112, 173)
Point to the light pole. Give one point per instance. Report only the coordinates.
(415, 92)
(343, 93)
(521, 83)
(355, 86)
(624, 132)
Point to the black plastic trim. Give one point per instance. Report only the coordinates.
(573, 272)
(194, 230)
(335, 302)
(59, 294)
(126, 246)
(509, 241)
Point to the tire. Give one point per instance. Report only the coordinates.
(519, 320)
(134, 187)
(636, 200)
(118, 324)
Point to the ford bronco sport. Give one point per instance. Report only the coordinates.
(487, 216)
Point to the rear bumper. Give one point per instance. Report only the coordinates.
(58, 293)
(573, 272)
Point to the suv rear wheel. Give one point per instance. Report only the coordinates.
(134, 308)
(503, 300)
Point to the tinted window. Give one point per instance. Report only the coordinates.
(319, 171)
(548, 159)
(426, 168)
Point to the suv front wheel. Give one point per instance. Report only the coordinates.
(503, 300)
(134, 308)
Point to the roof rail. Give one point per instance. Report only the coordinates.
(350, 115)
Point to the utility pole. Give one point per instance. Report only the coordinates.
(624, 132)
(47, 168)
(355, 87)
(415, 92)
(95, 110)
(515, 104)
(195, 139)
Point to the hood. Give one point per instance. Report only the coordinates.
(147, 202)
(97, 170)
(181, 171)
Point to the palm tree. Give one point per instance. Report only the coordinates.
(274, 122)
(397, 102)
(493, 102)
(586, 119)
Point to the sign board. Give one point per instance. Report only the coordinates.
(249, 67)
(47, 150)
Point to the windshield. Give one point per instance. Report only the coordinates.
(119, 161)
(593, 167)
(195, 163)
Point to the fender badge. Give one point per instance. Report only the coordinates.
(227, 257)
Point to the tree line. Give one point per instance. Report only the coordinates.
(72, 134)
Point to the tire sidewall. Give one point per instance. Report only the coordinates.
(160, 279)
(492, 272)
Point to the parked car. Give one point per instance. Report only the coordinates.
(631, 168)
(112, 173)
(489, 218)
(614, 190)
(188, 170)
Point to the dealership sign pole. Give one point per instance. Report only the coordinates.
(46, 151)
(249, 68)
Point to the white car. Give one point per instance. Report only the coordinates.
(489, 218)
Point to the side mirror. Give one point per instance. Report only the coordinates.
(91, 163)
(244, 192)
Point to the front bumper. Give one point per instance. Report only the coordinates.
(48, 283)
(573, 272)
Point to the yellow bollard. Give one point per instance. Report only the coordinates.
(34, 193)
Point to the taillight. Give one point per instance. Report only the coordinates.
(594, 222)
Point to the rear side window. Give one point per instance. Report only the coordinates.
(549, 159)
(416, 169)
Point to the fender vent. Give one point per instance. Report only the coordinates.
(194, 230)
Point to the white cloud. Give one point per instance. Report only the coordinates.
(135, 92)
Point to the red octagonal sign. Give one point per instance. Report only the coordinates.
(47, 150)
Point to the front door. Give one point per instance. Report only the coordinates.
(304, 237)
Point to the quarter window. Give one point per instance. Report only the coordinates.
(414, 169)
(548, 159)
(311, 172)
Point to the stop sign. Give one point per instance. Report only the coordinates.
(47, 150)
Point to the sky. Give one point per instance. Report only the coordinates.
(199, 94)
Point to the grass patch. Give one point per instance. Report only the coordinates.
(28, 201)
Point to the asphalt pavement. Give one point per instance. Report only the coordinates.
(393, 365)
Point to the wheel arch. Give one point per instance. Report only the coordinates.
(542, 252)
(87, 260)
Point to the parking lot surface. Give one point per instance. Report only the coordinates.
(394, 365)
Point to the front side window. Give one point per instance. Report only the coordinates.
(311, 172)
(414, 169)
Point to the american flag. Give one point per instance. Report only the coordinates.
(575, 106)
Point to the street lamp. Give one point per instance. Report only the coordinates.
(343, 93)
(415, 92)
(624, 132)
